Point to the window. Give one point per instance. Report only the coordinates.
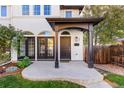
(68, 14)
(47, 9)
(36, 9)
(27, 33)
(45, 33)
(3, 11)
(25, 10)
(65, 33)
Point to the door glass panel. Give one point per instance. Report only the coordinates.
(31, 47)
(27, 48)
(50, 47)
(41, 46)
(45, 48)
(22, 49)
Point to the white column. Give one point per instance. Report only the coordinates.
(14, 52)
(14, 55)
(35, 48)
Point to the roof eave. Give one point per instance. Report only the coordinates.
(93, 20)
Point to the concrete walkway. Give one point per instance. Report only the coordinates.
(77, 72)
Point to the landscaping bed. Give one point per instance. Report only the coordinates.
(9, 69)
(16, 81)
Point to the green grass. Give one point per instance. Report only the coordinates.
(16, 81)
(118, 79)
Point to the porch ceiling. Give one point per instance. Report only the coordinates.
(80, 22)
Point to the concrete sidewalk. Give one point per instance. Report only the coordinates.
(77, 72)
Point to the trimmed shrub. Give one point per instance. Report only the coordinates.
(24, 63)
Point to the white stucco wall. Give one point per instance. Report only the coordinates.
(37, 24)
(76, 51)
(5, 21)
(32, 24)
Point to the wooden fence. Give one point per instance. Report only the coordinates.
(107, 54)
(117, 54)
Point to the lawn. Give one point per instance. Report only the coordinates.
(117, 79)
(16, 81)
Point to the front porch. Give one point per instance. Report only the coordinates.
(72, 71)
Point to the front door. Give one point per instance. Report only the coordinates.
(65, 48)
(45, 48)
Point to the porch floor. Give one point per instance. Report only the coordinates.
(77, 72)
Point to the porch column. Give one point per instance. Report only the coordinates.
(35, 48)
(90, 46)
(56, 47)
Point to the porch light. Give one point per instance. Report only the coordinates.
(77, 39)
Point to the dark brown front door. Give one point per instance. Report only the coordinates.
(65, 48)
(45, 48)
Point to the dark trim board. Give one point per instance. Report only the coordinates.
(89, 20)
(45, 59)
(80, 7)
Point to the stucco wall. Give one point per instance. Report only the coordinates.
(32, 24)
(37, 24)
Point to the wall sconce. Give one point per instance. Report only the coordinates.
(77, 39)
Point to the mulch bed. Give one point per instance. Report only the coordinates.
(9, 73)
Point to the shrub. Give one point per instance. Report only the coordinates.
(4, 57)
(24, 63)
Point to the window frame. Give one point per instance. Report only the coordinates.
(65, 33)
(67, 15)
(37, 11)
(47, 9)
(3, 11)
(25, 9)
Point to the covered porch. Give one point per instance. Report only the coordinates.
(80, 24)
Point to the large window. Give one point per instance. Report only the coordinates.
(68, 14)
(3, 11)
(36, 9)
(47, 9)
(25, 10)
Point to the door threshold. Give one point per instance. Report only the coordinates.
(65, 60)
(45, 60)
